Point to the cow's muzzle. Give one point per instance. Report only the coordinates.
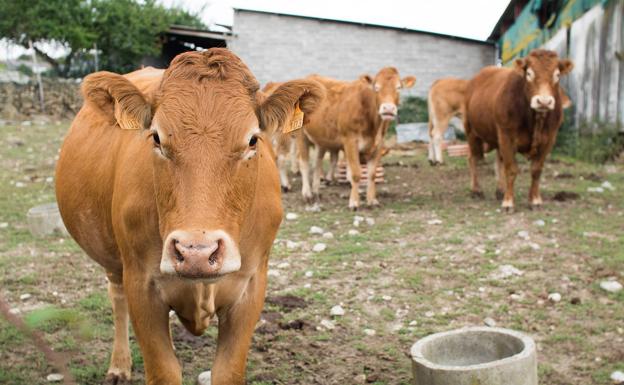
(197, 254)
(388, 111)
(543, 103)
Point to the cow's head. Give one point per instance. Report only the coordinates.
(206, 126)
(387, 85)
(541, 70)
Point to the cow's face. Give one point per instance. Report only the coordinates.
(542, 70)
(387, 85)
(207, 136)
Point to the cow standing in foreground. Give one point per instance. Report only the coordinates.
(167, 180)
(517, 109)
(445, 101)
(353, 117)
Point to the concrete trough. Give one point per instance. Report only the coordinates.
(475, 356)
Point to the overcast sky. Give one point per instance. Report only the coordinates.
(473, 19)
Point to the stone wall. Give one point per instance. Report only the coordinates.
(280, 47)
(62, 99)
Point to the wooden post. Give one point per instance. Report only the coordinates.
(37, 74)
(97, 62)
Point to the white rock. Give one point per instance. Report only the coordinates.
(617, 377)
(316, 230)
(386, 298)
(554, 297)
(204, 378)
(273, 273)
(413, 323)
(283, 265)
(523, 234)
(611, 286)
(505, 271)
(309, 274)
(328, 235)
(595, 189)
(480, 249)
(353, 232)
(327, 324)
(429, 314)
(370, 221)
(307, 285)
(515, 297)
(55, 377)
(25, 297)
(489, 322)
(291, 245)
(20, 184)
(49, 179)
(337, 311)
(540, 223)
(534, 246)
(318, 247)
(359, 264)
(4, 225)
(291, 216)
(434, 222)
(606, 184)
(315, 208)
(370, 332)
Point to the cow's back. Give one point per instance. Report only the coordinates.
(94, 156)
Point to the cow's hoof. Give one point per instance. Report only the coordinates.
(307, 198)
(353, 208)
(500, 194)
(535, 206)
(477, 195)
(432, 162)
(117, 378)
(373, 203)
(508, 210)
(285, 189)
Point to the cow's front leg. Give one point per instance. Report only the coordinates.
(236, 326)
(333, 161)
(318, 171)
(150, 320)
(303, 155)
(120, 368)
(499, 170)
(535, 198)
(371, 188)
(507, 149)
(354, 172)
(476, 154)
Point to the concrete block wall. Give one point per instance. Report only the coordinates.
(280, 47)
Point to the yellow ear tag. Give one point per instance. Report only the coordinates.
(296, 122)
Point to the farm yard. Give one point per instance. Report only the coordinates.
(430, 259)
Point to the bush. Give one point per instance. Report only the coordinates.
(413, 109)
(595, 143)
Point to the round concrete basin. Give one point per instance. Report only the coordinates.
(475, 356)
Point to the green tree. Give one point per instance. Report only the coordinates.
(124, 30)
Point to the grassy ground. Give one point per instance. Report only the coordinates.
(403, 276)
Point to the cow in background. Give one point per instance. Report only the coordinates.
(353, 117)
(445, 101)
(168, 181)
(517, 109)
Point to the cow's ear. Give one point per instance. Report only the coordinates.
(408, 81)
(366, 78)
(565, 66)
(279, 107)
(118, 99)
(520, 66)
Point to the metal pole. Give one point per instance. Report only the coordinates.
(97, 62)
(37, 74)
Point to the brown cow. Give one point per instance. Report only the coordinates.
(445, 101)
(516, 109)
(354, 117)
(167, 180)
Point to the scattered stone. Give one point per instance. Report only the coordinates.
(617, 377)
(55, 377)
(386, 298)
(337, 311)
(318, 247)
(370, 332)
(327, 324)
(595, 189)
(523, 234)
(25, 297)
(49, 179)
(554, 297)
(611, 286)
(353, 232)
(370, 221)
(480, 249)
(20, 184)
(315, 208)
(540, 223)
(307, 285)
(515, 297)
(283, 265)
(606, 184)
(316, 230)
(309, 274)
(4, 225)
(429, 314)
(359, 264)
(505, 271)
(328, 235)
(273, 273)
(291, 245)
(291, 216)
(434, 222)
(489, 322)
(534, 246)
(204, 378)
(357, 220)
(360, 379)
(413, 323)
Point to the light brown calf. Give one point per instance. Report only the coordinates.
(167, 180)
(445, 101)
(354, 117)
(513, 110)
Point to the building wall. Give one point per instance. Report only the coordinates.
(278, 48)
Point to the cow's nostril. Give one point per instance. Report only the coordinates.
(215, 254)
(176, 251)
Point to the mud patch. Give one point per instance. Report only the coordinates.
(564, 196)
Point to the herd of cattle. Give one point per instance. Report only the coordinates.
(168, 180)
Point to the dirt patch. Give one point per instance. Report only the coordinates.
(564, 196)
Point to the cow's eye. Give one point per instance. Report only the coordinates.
(156, 139)
(253, 141)
(556, 75)
(530, 74)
